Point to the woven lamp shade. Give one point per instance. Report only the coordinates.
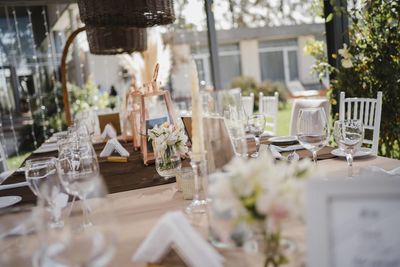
(128, 13)
(116, 40)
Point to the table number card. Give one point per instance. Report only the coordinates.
(354, 223)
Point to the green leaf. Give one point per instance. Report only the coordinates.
(329, 17)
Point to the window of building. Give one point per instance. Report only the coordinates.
(278, 60)
(229, 57)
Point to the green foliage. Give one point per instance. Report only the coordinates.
(250, 85)
(371, 63)
(83, 99)
(54, 120)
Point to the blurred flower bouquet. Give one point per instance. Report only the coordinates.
(169, 144)
(263, 194)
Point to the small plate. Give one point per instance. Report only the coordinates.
(45, 148)
(9, 201)
(283, 139)
(362, 152)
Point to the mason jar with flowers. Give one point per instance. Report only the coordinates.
(169, 145)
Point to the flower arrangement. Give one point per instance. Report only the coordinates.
(168, 140)
(262, 194)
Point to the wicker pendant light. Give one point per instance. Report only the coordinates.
(116, 40)
(127, 13)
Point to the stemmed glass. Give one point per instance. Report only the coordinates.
(256, 126)
(79, 172)
(348, 135)
(42, 177)
(74, 246)
(312, 130)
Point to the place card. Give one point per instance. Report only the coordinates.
(173, 231)
(109, 132)
(353, 222)
(113, 145)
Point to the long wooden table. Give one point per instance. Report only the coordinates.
(137, 211)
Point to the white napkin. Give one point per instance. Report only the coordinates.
(112, 145)
(11, 186)
(173, 230)
(286, 149)
(271, 150)
(370, 170)
(109, 132)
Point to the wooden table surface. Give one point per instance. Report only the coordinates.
(118, 176)
(137, 211)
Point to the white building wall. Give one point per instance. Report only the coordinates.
(305, 61)
(250, 60)
(105, 71)
(180, 75)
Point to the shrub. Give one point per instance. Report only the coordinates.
(250, 85)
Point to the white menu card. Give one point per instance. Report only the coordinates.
(354, 222)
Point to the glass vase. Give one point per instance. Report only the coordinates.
(168, 162)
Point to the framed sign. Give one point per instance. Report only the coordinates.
(218, 142)
(113, 119)
(353, 223)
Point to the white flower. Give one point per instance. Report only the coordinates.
(345, 53)
(167, 136)
(347, 63)
(261, 190)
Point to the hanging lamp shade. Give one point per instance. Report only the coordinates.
(116, 40)
(127, 13)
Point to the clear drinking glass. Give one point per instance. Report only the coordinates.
(42, 177)
(77, 246)
(348, 135)
(312, 129)
(256, 126)
(79, 172)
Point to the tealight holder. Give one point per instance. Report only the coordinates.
(199, 165)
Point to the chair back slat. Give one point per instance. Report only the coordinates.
(268, 105)
(368, 110)
(3, 159)
(248, 104)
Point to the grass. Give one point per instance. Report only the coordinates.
(15, 162)
(284, 120)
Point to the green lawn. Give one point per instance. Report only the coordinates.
(15, 162)
(284, 120)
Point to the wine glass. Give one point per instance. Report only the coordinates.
(79, 172)
(256, 126)
(312, 130)
(42, 177)
(77, 246)
(348, 135)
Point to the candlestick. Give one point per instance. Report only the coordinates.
(197, 115)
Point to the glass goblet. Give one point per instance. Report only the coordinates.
(256, 126)
(312, 130)
(348, 135)
(42, 177)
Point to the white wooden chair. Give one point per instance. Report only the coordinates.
(248, 104)
(306, 103)
(268, 105)
(368, 110)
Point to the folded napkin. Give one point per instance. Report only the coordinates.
(287, 148)
(271, 150)
(109, 132)
(11, 186)
(174, 231)
(371, 170)
(113, 145)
